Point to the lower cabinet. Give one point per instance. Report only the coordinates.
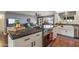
(34, 40)
(38, 40)
(67, 30)
(22, 42)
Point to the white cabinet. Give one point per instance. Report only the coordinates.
(38, 39)
(33, 40)
(23, 42)
(67, 30)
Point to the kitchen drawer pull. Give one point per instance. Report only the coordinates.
(26, 39)
(37, 34)
(34, 43)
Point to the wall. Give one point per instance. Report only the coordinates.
(57, 18)
(76, 21)
(2, 21)
(20, 16)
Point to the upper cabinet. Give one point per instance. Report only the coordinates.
(70, 17)
(62, 15)
(67, 15)
(71, 13)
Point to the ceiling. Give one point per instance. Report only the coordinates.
(33, 13)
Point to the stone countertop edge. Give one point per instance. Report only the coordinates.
(22, 36)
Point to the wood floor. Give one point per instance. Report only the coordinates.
(59, 42)
(65, 42)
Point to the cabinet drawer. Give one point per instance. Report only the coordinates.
(38, 34)
(19, 43)
(22, 42)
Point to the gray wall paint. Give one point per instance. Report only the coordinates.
(22, 17)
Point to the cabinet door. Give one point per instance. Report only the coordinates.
(38, 39)
(23, 42)
(19, 43)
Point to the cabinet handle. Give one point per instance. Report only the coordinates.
(26, 39)
(37, 34)
(34, 43)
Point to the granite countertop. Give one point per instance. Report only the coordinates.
(24, 32)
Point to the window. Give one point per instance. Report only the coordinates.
(70, 17)
(11, 21)
(64, 18)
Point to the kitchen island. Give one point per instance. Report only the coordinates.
(25, 38)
